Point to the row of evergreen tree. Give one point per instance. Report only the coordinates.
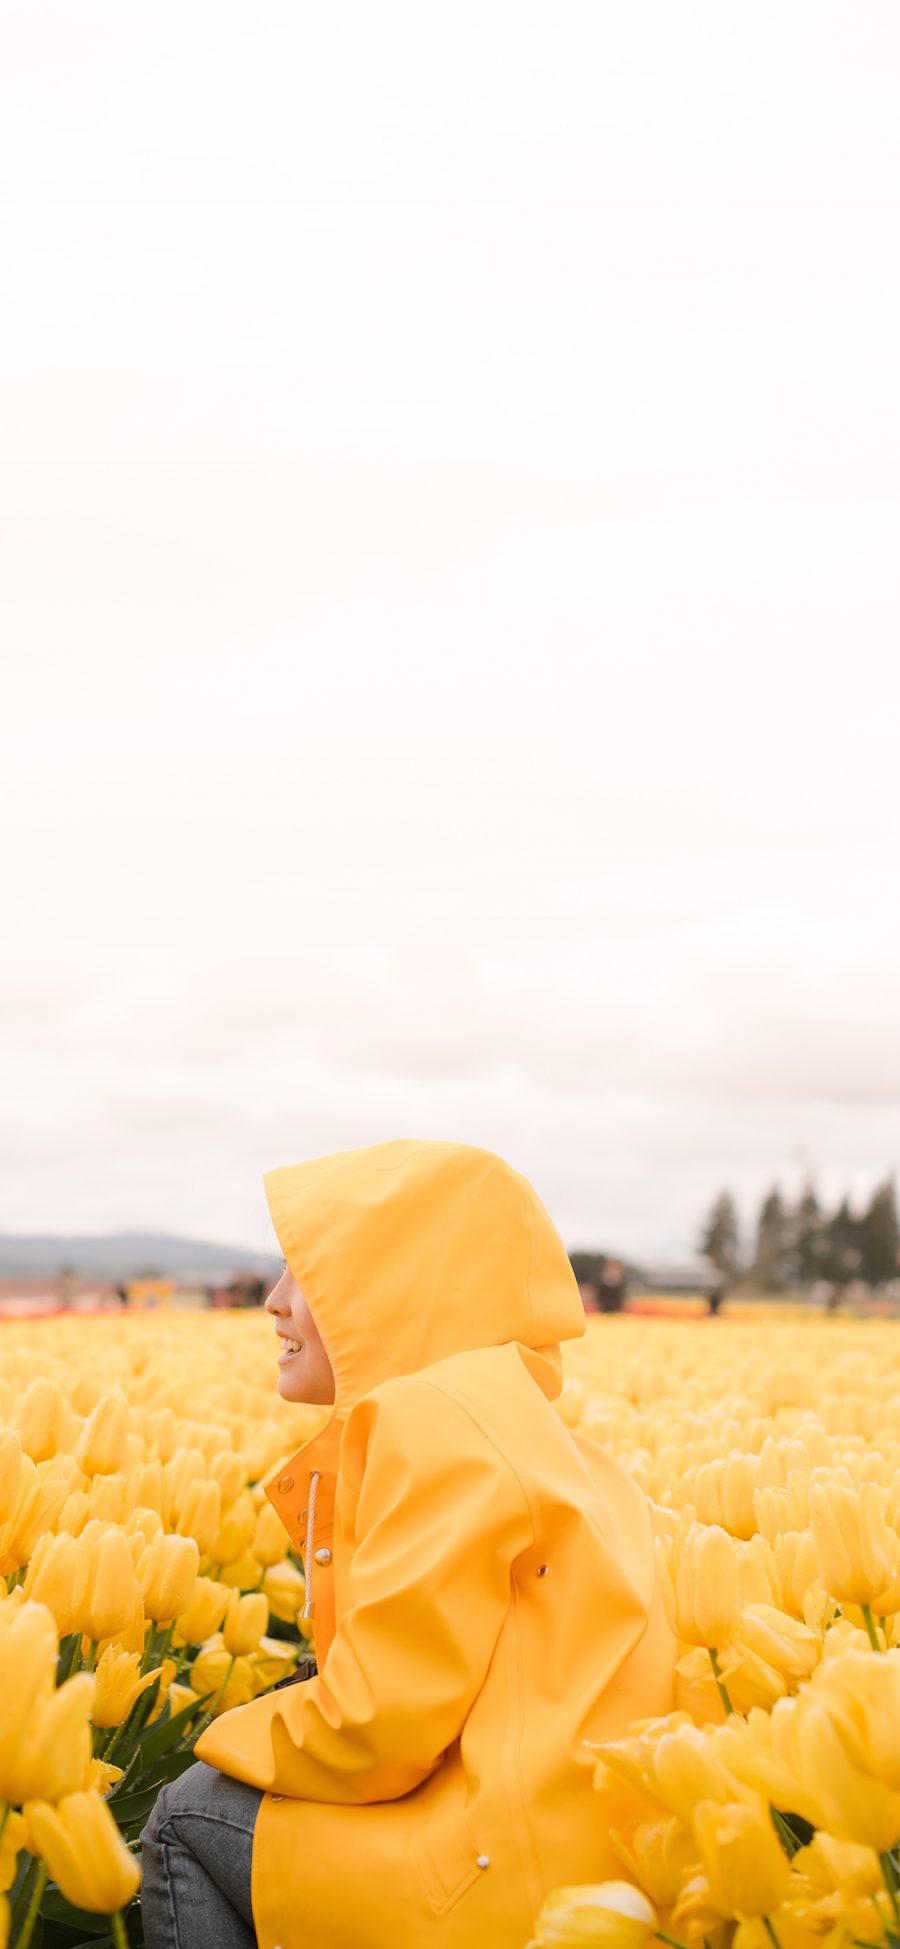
(798, 1244)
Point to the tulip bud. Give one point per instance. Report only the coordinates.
(28, 1653)
(85, 1852)
(245, 1622)
(167, 1572)
(186, 1467)
(50, 1578)
(150, 1490)
(110, 1498)
(707, 1599)
(10, 1471)
(101, 1446)
(55, 1753)
(106, 1594)
(612, 1915)
(273, 1659)
(270, 1538)
(43, 1419)
(285, 1591)
(244, 1574)
(235, 1531)
(201, 1514)
(858, 1553)
(230, 1471)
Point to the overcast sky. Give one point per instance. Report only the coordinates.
(449, 601)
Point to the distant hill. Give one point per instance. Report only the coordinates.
(124, 1255)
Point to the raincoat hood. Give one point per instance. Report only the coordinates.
(409, 1252)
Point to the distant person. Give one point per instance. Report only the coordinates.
(612, 1287)
(716, 1297)
(457, 1536)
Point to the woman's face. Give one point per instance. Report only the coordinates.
(304, 1369)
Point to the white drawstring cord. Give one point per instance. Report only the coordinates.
(309, 1607)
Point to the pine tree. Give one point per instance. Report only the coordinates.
(843, 1254)
(719, 1239)
(810, 1244)
(880, 1236)
(770, 1264)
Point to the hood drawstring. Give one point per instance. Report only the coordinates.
(309, 1547)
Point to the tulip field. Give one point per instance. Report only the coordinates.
(146, 1585)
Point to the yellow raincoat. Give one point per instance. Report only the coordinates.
(483, 1579)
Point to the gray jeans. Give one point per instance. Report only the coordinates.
(197, 1853)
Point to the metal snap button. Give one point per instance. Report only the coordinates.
(276, 1796)
(542, 1569)
(323, 1556)
(286, 1483)
(483, 1861)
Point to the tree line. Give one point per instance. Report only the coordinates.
(798, 1244)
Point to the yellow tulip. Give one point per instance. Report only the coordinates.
(707, 1599)
(782, 1641)
(610, 1915)
(742, 1857)
(685, 1769)
(235, 1531)
(185, 1467)
(38, 1503)
(110, 1498)
(858, 1553)
(273, 1659)
(141, 1526)
(230, 1471)
(106, 1594)
(28, 1652)
(830, 1864)
(85, 1852)
(285, 1590)
(270, 1538)
(215, 1670)
(856, 1806)
(798, 1567)
(205, 1612)
(11, 1844)
(863, 1696)
(762, 1752)
(43, 1420)
(180, 1696)
(10, 1471)
(244, 1574)
(696, 1916)
(658, 1854)
(75, 1512)
(101, 1776)
(245, 1622)
(150, 1490)
(101, 1445)
(54, 1751)
(50, 1578)
(201, 1514)
(119, 1683)
(167, 1572)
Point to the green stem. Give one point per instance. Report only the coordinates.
(118, 1930)
(91, 1658)
(4, 1816)
(869, 1622)
(890, 1881)
(31, 1913)
(672, 1940)
(721, 1687)
(771, 1932)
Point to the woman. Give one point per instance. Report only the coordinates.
(482, 1580)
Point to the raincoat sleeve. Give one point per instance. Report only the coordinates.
(439, 1518)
